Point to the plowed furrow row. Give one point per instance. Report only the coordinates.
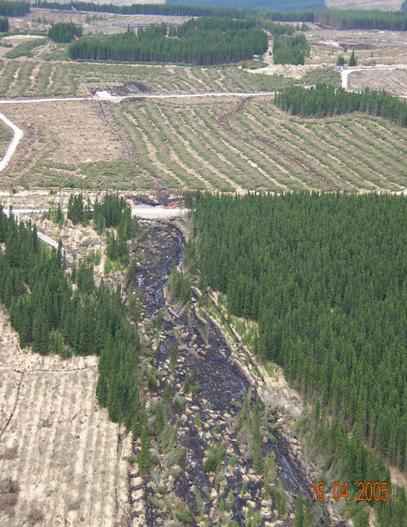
(316, 163)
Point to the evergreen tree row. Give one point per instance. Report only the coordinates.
(363, 19)
(53, 315)
(145, 9)
(250, 5)
(276, 29)
(325, 277)
(4, 25)
(206, 41)
(290, 49)
(11, 8)
(323, 100)
(64, 32)
(293, 16)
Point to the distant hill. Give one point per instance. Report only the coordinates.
(112, 2)
(385, 5)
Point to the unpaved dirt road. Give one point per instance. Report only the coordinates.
(17, 136)
(345, 73)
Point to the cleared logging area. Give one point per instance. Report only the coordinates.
(32, 78)
(59, 453)
(394, 82)
(58, 138)
(252, 145)
(225, 144)
(5, 137)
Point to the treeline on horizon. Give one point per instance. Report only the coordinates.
(323, 100)
(270, 5)
(14, 8)
(363, 19)
(4, 25)
(279, 10)
(69, 315)
(325, 278)
(145, 9)
(203, 41)
(346, 18)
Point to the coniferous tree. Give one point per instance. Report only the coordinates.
(324, 278)
(352, 59)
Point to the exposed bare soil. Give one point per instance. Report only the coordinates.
(394, 82)
(42, 19)
(60, 135)
(371, 46)
(58, 449)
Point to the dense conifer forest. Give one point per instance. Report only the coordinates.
(323, 100)
(363, 19)
(64, 32)
(290, 49)
(4, 25)
(325, 277)
(205, 41)
(14, 8)
(69, 316)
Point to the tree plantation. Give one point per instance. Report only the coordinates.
(64, 32)
(14, 8)
(323, 100)
(205, 41)
(290, 49)
(4, 26)
(185, 9)
(325, 277)
(55, 314)
(273, 5)
(363, 19)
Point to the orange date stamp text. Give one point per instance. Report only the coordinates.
(359, 491)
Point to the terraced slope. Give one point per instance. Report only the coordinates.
(251, 145)
(35, 78)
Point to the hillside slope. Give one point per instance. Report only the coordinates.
(385, 5)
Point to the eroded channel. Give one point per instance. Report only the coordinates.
(219, 459)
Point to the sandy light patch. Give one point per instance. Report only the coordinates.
(287, 70)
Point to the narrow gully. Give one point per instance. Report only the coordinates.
(209, 416)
